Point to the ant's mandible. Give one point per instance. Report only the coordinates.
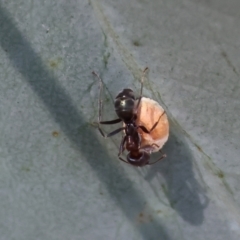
(126, 107)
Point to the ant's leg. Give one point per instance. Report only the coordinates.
(143, 75)
(111, 133)
(154, 144)
(111, 121)
(163, 156)
(123, 160)
(155, 124)
(99, 98)
(150, 152)
(122, 145)
(140, 97)
(100, 111)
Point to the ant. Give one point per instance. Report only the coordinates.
(126, 108)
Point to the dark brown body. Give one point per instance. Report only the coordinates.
(126, 107)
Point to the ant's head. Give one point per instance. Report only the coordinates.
(125, 104)
(141, 160)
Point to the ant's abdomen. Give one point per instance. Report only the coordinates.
(138, 159)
